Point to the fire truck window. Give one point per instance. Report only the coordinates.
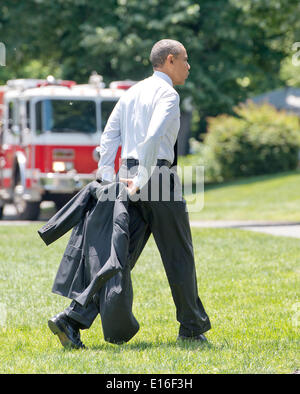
(66, 116)
(27, 114)
(106, 109)
(10, 114)
(14, 123)
(38, 111)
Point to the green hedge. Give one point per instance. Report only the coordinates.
(259, 140)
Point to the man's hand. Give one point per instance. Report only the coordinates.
(132, 189)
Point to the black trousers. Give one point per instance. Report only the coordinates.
(160, 209)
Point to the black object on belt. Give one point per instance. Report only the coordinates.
(135, 162)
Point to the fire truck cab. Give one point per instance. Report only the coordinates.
(49, 139)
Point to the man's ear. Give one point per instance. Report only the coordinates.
(170, 58)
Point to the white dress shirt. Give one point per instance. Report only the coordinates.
(145, 122)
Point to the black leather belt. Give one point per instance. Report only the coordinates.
(134, 162)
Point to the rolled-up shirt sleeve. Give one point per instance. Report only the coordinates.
(109, 144)
(166, 110)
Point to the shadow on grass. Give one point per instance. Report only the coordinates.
(143, 345)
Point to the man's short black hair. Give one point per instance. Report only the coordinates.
(162, 49)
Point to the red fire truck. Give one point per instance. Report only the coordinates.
(49, 139)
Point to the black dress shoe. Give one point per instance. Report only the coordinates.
(197, 338)
(67, 332)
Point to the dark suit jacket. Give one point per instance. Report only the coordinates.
(100, 254)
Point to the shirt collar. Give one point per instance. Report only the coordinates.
(163, 76)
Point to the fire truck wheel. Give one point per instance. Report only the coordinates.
(1, 212)
(28, 210)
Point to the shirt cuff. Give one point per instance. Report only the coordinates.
(106, 173)
(136, 182)
(142, 177)
(107, 177)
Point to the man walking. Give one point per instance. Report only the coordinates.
(145, 122)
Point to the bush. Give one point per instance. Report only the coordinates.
(259, 140)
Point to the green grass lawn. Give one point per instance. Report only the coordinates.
(264, 198)
(247, 281)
